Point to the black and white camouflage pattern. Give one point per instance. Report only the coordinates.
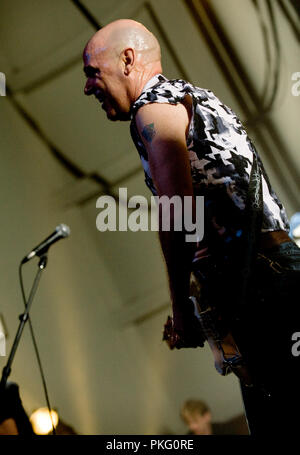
(221, 156)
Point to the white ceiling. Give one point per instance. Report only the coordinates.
(41, 50)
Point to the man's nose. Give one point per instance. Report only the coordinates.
(88, 89)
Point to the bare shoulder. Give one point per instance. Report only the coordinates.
(163, 118)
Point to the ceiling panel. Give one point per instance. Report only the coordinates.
(193, 52)
(44, 45)
(78, 126)
(32, 29)
(106, 10)
(133, 258)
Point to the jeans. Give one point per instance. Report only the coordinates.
(267, 332)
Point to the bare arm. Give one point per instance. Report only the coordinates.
(162, 128)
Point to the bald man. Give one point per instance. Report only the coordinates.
(118, 61)
(192, 144)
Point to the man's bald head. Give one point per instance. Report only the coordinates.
(118, 61)
(126, 33)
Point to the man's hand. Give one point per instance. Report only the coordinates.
(163, 129)
(185, 331)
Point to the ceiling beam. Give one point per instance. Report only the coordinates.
(282, 167)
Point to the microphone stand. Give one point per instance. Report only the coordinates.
(23, 319)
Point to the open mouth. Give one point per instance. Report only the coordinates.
(101, 100)
(99, 96)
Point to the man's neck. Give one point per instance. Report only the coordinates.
(142, 79)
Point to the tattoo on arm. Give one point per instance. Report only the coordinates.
(149, 132)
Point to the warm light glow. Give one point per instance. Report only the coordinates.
(41, 421)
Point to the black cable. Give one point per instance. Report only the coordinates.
(295, 4)
(268, 105)
(92, 20)
(294, 26)
(277, 55)
(36, 350)
(265, 34)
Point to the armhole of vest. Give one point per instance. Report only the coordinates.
(191, 120)
(174, 104)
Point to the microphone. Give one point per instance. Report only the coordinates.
(61, 231)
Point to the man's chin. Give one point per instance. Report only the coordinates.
(114, 116)
(110, 113)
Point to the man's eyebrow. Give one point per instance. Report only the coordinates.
(90, 70)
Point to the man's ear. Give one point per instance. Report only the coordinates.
(128, 59)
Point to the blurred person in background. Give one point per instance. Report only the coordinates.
(197, 416)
